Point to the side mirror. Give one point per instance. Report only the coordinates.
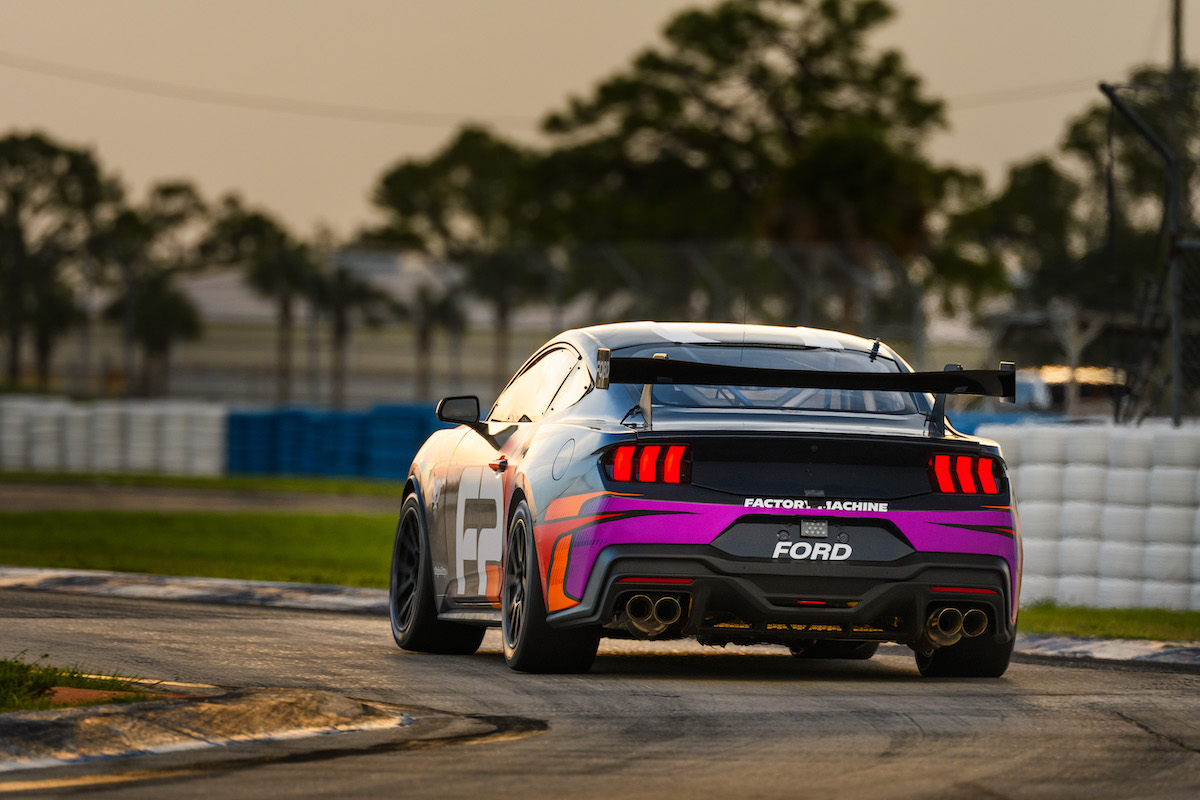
(462, 410)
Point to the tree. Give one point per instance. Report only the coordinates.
(343, 295)
(470, 203)
(757, 118)
(148, 245)
(1080, 266)
(161, 315)
(49, 198)
(274, 264)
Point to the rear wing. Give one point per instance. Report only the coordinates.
(954, 379)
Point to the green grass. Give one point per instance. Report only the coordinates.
(343, 549)
(1120, 623)
(25, 686)
(298, 485)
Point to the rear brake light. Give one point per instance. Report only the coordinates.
(649, 463)
(964, 474)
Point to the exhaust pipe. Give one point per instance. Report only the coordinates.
(667, 610)
(974, 622)
(648, 616)
(640, 611)
(945, 626)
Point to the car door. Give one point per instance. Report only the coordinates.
(481, 473)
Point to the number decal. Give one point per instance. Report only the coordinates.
(478, 536)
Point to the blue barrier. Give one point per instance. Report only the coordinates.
(379, 443)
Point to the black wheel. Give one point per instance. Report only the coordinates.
(530, 644)
(415, 624)
(858, 651)
(981, 657)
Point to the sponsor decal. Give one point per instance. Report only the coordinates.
(826, 505)
(439, 571)
(812, 551)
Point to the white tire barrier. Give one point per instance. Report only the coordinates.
(1084, 482)
(1177, 447)
(1118, 593)
(1038, 589)
(1088, 445)
(1173, 596)
(1079, 520)
(1009, 439)
(1173, 485)
(1078, 590)
(1123, 524)
(1126, 486)
(1079, 557)
(1044, 444)
(1167, 562)
(1041, 483)
(1170, 524)
(1121, 560)
(1131, 448)
(76, 439)
(107, 446)
(1039, 521)
(1041, 558)
(45, 437)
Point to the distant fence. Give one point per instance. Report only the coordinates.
(40, 434)
(1108, 514)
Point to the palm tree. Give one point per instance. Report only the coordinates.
(343, 295)
(275, 265)
(161, 315)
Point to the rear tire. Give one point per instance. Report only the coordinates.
(413, 610)
(981, 657)
(530, 644)
(856, 651)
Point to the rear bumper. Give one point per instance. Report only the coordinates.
(729, 599)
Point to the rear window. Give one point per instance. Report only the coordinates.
(776, 357)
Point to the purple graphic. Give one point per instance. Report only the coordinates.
(700, 523)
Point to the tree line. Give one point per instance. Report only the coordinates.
(756, 121)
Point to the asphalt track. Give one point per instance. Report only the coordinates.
(650, 720)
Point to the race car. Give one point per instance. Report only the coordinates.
(737, 484)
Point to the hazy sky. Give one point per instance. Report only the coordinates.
(1013, 71)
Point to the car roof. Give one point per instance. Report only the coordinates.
(619, 335)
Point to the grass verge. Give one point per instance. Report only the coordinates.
(1121, 623)
(343, 549)
(246, 483)
(26, 686)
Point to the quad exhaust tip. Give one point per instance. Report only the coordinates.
(650, 616)
(947, 625)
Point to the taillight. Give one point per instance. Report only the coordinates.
(649, 463)
(964, 474)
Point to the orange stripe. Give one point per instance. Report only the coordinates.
(492, 593)
(556, 596)
(568, 506)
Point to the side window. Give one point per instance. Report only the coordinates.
(526, 398)
(573, 389)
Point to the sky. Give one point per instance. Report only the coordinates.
(136, 80)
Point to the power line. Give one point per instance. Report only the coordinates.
(430, 119)
(257, 102)
(1021, 94)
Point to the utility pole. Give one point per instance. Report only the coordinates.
(1174, 210)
